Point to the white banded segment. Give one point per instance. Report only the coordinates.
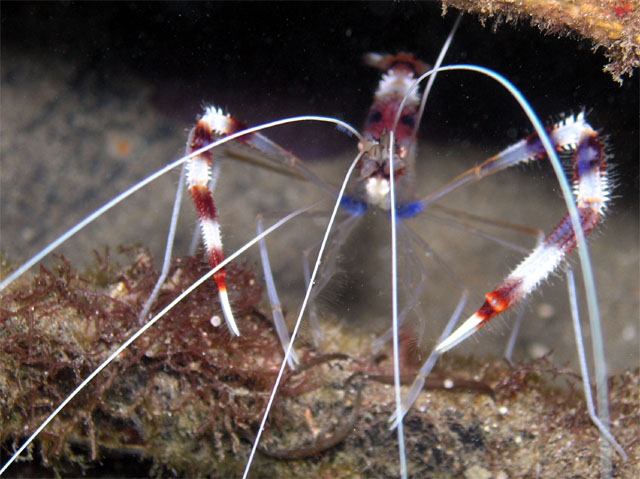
(592, 190)
(217, 122)
(399, 74)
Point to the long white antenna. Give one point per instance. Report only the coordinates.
(394, 303)
(146, 326)
(125, 194)
(296, 328)
(432, 78)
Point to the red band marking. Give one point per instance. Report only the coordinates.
(203, 202)
(236, 126)
(498, 300)
(219, 279)
(215, 258)
(200, 137)
(562, 236)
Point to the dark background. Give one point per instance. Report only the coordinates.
(264, 60)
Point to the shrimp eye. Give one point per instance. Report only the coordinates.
(408, 120)
(374, 117)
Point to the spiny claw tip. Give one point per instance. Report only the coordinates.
(467, 328)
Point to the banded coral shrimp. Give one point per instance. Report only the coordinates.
(247, 116)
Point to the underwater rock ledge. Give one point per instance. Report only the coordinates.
(611, 24)
(186, 399)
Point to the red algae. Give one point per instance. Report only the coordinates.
(186, 398)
